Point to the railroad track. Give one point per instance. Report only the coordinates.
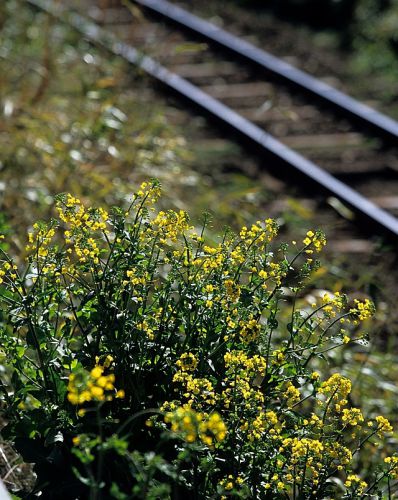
(313, 134)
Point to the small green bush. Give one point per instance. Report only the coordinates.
(143, 363)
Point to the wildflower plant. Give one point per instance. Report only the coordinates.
(145, 362)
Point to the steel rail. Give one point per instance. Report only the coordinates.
(378, 122)
(292, 161)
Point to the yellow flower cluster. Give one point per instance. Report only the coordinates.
(304, 455)
(133, 278)
(214, 258)
(241, 392)
(73, 213)
(241, 370)
(93, 386)
(40, 239)
(81, 224)
(232, 289)
(198, 391)
(262, 232)
(249, 330)
(144, 327)
(303, 448)
(314, 421)
(194, 426)
(278, 357)
(149, 192)
(363, 310)
(341, 454)
(393, 469)
(187, 362)
(266, 422)
(169, 225)
(291, 394)
(352, 416)
(244, 375)
(237, 255)
(332, 304)
(230, 482)
(355, 482)
(383, 426)
(242, 364)
(276, 272)
(8, 268)
(211, 250)
(150, 325)
(314, 241)
(336, 388)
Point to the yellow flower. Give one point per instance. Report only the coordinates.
(250, 330)
(314, 241)
(363, 310)
(352, 416)
(383, 426)
(291, 394)
(93, 386)
(187, 362)
(192, 425)
(355, 481)
(336, 386)
(102, 381)
(73, 398)
(97, 392)
(393, 469)
(232, 289)
(96, 372)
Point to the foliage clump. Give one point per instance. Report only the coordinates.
(145, 363)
